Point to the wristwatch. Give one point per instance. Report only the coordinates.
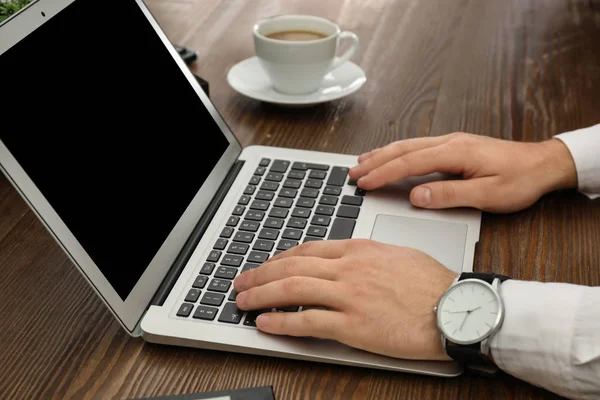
(468, 314)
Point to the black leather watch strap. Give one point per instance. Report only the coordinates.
(489, 278)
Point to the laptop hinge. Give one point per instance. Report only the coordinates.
(193, 240)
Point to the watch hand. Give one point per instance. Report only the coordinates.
(464, 320)
(458, 312)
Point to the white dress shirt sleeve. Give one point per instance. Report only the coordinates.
(584, 145)
(551, 331)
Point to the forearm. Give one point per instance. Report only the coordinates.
(551, 337)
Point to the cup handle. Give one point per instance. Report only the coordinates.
(349, 53)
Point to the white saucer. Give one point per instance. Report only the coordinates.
(248, 78)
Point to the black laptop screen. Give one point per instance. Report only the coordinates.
(102, 120)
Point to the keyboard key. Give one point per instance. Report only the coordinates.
(297, 223)
(274, 177)
(296, 174)
(288, 309)
(220, 244)
(348, 211)
(231, 314)
(248, 266)
(249, 189)
(269, 234)
(260, 171)
(212, 299)
(259, 205)
(351, 182)
(255, 215)
(232, 295)
(285, 244)
(279, 166)
(317, 231)
(328, 200)
(250, 226)
(238, 248)
(244, 237)
(245, 199)
(301, 212)
(324, 210)
(185, 310)
(321, 220)
(342, 228)
(293, 234)
(272, 186)
(200, 281)
(360, 192)
(258, 257)
(219, 285)
(274, 223)
(313, 183)
(252, 315)
(225, 273)
(232, 260)
(311, 239)
(264, 162)
(304, 166)
(352, 200)
(263, 245)
(288, 193)
(207, 313)
(332, 190)
(283, 202)
(305, 202)
(311, 193)
(317, 174)
(238, 210)
(337, 177)
(227, 232)
(278, 252)
(292, 184)
(255, 180)
(192, 295)
(264, 195)
(214, 256)
(207, 268)
(278, 212)
(233, 220)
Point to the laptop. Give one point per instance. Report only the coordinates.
(115, 147)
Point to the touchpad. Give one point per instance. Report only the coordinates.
(444, 241)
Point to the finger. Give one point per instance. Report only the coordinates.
(315, 267)
(441, 158)
(392, 151)
(367, 155)
(449, 194)
(315, 248)
(292, 291)
(310, 323)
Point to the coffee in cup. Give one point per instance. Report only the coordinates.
(297, 51)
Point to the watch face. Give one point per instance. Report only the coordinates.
(469, 311)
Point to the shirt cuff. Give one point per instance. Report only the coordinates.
(534, 341)
(584, 145)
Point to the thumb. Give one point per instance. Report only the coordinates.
(448, 194)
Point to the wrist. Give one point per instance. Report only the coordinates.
(556, 166)
(432, 331)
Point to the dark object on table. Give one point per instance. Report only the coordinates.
(188, 55)
(253, 393)
(203, 84)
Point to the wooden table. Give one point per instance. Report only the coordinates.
(514, 69)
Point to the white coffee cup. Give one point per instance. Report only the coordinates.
(298, 67)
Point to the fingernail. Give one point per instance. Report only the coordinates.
(263, 320)
(241, 299)
(361, 180)
(422, 196)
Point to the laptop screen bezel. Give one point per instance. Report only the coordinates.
(130, 311)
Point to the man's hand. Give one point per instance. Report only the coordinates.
(498, 175)
(378, 297)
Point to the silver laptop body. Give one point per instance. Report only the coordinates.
(142, 208)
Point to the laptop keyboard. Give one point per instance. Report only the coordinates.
(284, 204)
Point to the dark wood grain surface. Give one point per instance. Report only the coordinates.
(515, 69)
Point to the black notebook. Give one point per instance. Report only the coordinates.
(252, 393)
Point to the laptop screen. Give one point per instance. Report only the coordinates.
(107, 126)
